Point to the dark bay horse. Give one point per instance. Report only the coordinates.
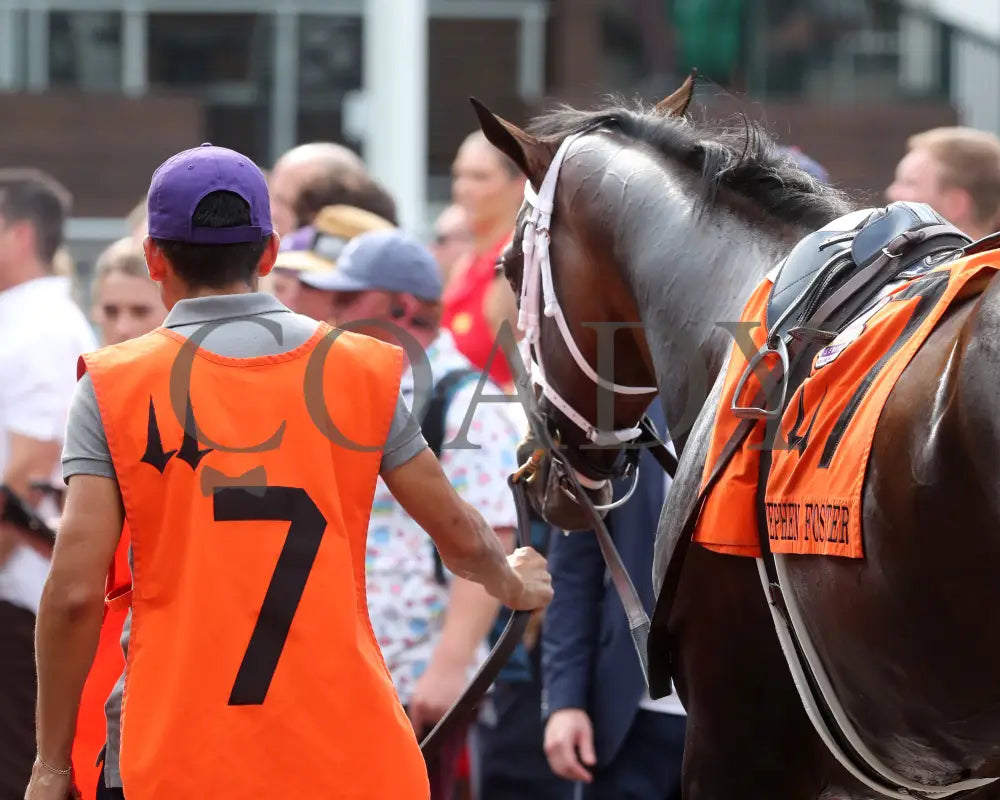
(662, 222)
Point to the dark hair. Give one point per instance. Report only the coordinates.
(215, 266)
(342, 187)
(36, 197)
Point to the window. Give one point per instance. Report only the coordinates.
(225, 59)
(330, 63)
(85, 50)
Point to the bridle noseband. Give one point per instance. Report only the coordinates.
(538, 297)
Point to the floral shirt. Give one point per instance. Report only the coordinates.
(405, 602)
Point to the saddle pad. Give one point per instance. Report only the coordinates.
(820, 455)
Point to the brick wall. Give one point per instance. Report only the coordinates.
(103, 147)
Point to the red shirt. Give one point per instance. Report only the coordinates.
(463, 314)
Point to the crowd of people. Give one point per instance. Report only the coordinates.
(569, 716)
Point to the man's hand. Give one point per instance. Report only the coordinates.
(11, 536)
(569, 744)
(438, 688)
(9, 539)
(536, 583)
(47, 785)
(28, 460)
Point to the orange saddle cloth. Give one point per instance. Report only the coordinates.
(820, 455)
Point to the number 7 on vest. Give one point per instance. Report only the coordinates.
(259, 503)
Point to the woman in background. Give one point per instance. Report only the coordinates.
(489, 187)
(126, 304)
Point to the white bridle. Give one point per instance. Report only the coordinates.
(538, 275)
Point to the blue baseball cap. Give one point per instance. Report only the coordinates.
(388, 260)
(183, 180)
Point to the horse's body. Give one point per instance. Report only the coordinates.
(906, 634)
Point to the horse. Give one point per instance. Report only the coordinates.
(660, 228)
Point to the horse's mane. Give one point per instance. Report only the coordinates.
(742, 158)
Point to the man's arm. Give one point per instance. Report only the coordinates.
(467, 544)
(34, 406)
(71, 609)
(28, 460)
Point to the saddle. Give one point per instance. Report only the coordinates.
(843, 265)
(831, 275)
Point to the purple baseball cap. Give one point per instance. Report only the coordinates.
(183, 180)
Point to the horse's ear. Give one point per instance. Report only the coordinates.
(676, 105)
(531, 154)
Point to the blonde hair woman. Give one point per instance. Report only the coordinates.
(126, 303)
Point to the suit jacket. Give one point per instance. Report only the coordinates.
(588, 659)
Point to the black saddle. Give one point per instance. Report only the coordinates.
(883, 244)
(831, 275)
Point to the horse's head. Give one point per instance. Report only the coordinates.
(592, 386)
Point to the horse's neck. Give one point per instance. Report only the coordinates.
(685, 285)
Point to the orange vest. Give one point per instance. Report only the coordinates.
(252, 667)
(109, 662)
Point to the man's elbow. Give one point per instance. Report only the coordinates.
(71, 598)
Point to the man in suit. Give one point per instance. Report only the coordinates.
(602, 729)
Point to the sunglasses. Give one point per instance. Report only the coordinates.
(328, 246)
(441, 237)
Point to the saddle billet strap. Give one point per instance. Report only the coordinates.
(991, 242)
(812, 335)
(465, 706)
